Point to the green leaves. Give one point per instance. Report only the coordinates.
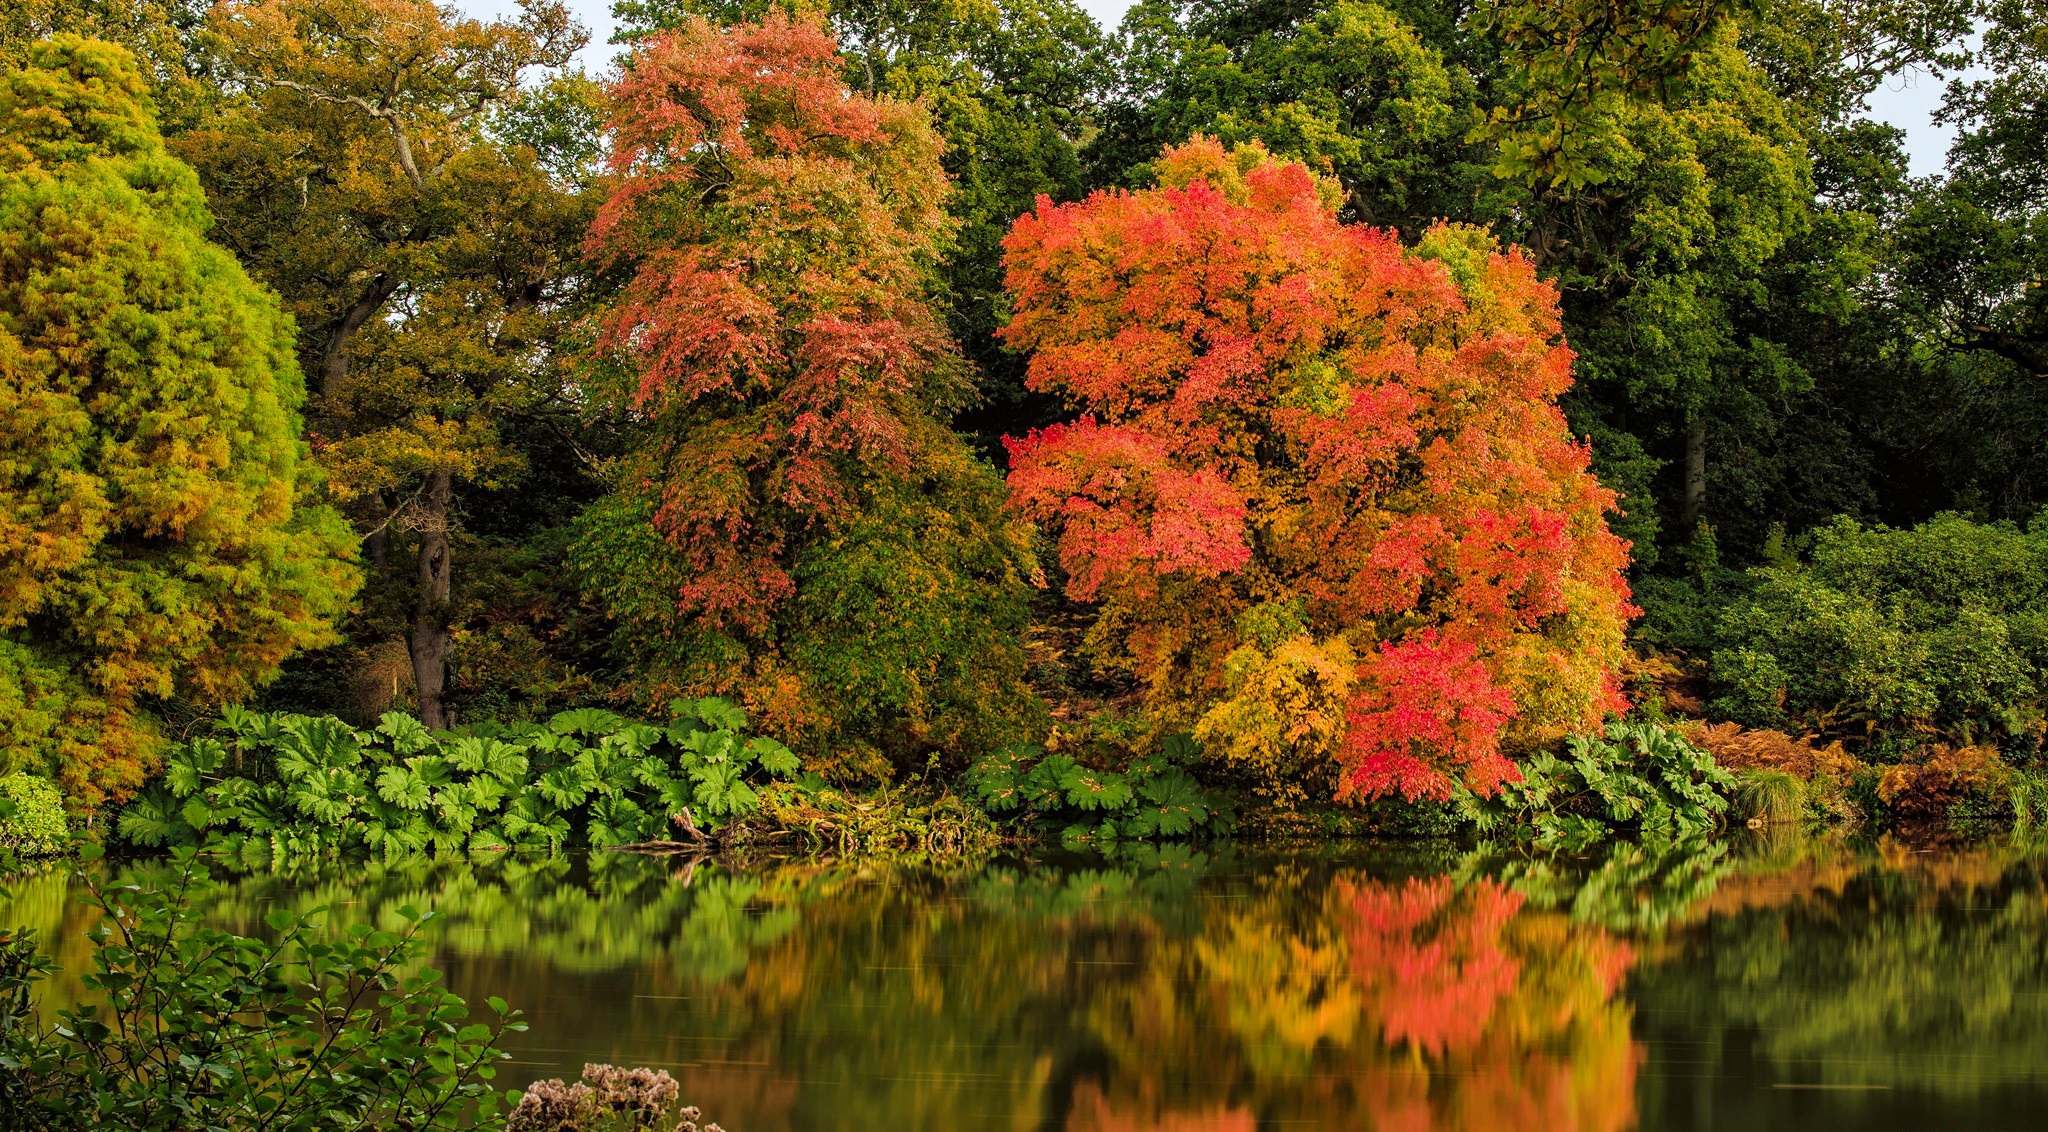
(193, 1027)
(1635, 775)
(1151, 797)
(317, 785)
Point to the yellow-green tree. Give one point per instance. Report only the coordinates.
(362, 168)
(154, 544)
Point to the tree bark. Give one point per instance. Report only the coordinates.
(1695, 471)
(428, 644)
(334, 357)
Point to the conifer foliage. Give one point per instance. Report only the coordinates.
(1322, 490)
(823, 545)
(152, 545)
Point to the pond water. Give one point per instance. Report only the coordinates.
(1783, 985)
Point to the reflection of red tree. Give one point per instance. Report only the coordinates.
(1432, 975)
(1513, 1011)
(1094, 1112)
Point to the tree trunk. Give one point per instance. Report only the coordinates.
(334, 358)
(429, 642)
(1695, 471)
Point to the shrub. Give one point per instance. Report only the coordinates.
(1152, 796)
(1634, 776)
(1941, 780)
(1308, 448)
(305, 784)
(1899, 635)
(32, 820)
(196, 1028)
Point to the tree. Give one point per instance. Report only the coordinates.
(795, 524)
(155, 539)
(364, 170)
(1011, 86)
(1320, 475)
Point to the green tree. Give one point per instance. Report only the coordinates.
(155, 543)
(376, 166)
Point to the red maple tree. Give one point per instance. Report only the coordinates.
(1307, 448)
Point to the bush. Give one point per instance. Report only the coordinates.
(1635, 776)
(1943, 782)
(1941, 630)
(196, 1028)
(588, 777)
(31, 817)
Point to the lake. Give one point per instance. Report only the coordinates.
(1778, 983)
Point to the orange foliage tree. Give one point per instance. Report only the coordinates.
(796, 524)
(1322, 490)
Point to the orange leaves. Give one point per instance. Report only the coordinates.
(1293, 408)
(777, 229)
(1128, 514)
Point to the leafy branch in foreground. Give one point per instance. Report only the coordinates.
(589, 777)
(192, 1027)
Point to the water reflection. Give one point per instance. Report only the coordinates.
(1774, 985)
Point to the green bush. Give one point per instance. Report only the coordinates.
(1154, 796)
(588, 777)
(1900, 634)
(31, 817)
(191, 1027)
(1637, 776)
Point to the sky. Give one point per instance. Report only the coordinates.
(1906, 101)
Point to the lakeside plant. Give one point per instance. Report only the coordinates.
(1152, 797)
(1895, 638)
(304, 784)
(193, 1027)
(1633, 776)
(607, 1099)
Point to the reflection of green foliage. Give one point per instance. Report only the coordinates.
(1926, 975)
(1629, 887)
(297, 784)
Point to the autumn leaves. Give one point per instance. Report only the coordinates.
(1318, 494)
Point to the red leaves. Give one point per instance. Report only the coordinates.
(776, 229)
(1291, 407)
(1127, 513)
(1427, 701)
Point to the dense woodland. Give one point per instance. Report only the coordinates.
(1350, 400)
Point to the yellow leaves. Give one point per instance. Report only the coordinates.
(1287, 993)
(391, 457)
(1285, 714)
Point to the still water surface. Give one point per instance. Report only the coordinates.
(1785, 985)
